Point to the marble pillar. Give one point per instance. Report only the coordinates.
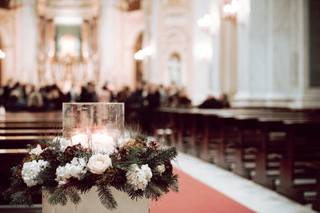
(273, 55)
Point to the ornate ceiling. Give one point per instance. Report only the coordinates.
(82, 8)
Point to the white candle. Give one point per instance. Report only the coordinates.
(80, 138)
(102, 142)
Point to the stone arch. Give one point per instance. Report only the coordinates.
(174, 68)
(176, 44)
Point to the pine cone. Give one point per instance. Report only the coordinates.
(49, 155)
(70, 151)
(154, 145)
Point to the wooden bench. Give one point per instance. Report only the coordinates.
(17, 130)
(260, 138)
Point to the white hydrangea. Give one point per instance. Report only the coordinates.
(64, 143)
(137, 177)
(76, 168)
(36, 151)
(161, 169)
(31, 170)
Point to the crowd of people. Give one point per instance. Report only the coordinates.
(16, 96)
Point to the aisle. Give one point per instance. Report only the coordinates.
(196, 197)
(206, 188)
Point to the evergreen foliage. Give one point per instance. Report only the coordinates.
(139, 150)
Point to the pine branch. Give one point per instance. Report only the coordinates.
(162, 156)
(58, 197)
(73, 195)
(173, 183)
(134, 194)
(106, 197)
(153, 192)
(21, 198)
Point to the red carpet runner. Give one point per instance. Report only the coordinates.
(196, 197)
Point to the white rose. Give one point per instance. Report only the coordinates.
(98, 163)
(36, 151)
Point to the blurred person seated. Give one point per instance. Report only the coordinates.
(136, 98)
(123, 94)
(105, 94)
(225, 101)
(88, 93)
(212, 103)
(182, 100)
(153, 97)
(35, 99)
(16, 99)
(164, 95)
(53, 97)
(7, 88)
(172, 94)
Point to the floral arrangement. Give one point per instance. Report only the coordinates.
(135, 165)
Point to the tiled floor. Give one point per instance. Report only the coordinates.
(243, 191)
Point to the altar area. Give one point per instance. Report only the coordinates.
(68, 50)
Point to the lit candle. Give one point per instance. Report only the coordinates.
(80, 138)
(102, 142)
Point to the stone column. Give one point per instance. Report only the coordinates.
(268, 55)
(41, 48)
(26, 40)
(306, 96)
(94, 50)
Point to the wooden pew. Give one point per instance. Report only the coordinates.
(302, 148)
(265, 132)
(17, 130)
(29, 132)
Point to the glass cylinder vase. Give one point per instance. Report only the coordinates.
(95, 126)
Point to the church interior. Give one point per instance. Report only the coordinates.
(232, 85)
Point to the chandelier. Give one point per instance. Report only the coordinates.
(2, 54)
(230, 9)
